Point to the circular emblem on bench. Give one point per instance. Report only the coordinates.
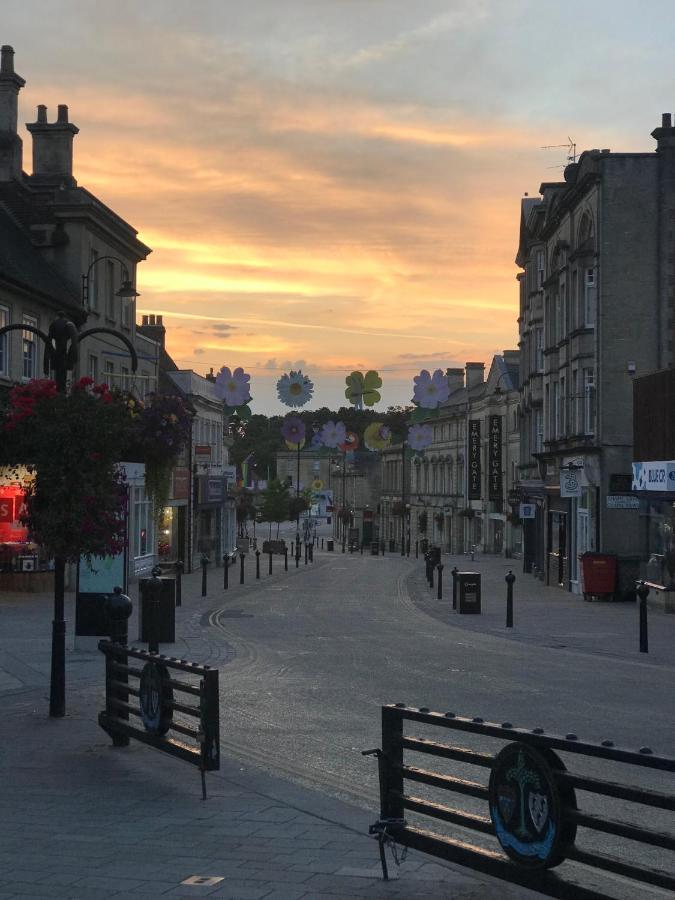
(527, 806)
(155, 698)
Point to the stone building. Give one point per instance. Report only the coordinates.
(596, 308)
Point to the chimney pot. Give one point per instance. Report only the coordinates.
(159, 320)
(665, 120)
(7, 60)
(145, 320)
(62, 113)
(42, 114)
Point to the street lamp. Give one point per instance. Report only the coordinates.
(61, 356)
(126, 290)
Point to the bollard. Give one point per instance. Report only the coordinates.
(322, 543)
(311, 553)
(204, 563)
(226, 571)
(343, 545)
(454, 586)
(257, 565)
(297, 556)
(382, 547)
(473, 550)
(306, 552)
(119, 608)
(153, 588)
(361, 548)
(510, 578)
(178, 565)
(439, 568)
(643, 592)
(417, 549)
(242, 557)
(269, 566)
(285, 559)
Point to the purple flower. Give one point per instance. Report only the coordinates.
(431, 390)
(293, 430)
(333, 434)
(233, 387)
(420, 436)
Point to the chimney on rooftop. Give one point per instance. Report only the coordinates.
(11, 147)
(455, 379)
(53, 146)
(152, 327)
(665, 135)
(475, 374)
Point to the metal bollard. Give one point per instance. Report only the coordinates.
(269, 566)
(510, 578)
(643, 592)
(153, 589)
(306, 553)
(297, 556)
(361, 548)
(417, 549)
(322, 543)
(257, 565)
(285, 559)
(343, 545)
(311, 553)
(180, 568)
(454, 586)
(226, 571)
(473, 550)
(439, 568)
(382, 547)
(204, 563)
(119, 608)
(242, 557)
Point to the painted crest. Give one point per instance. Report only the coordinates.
(538, 806)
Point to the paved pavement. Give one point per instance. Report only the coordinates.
(86, 820)
(82, 819)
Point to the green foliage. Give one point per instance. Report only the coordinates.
(276, 499)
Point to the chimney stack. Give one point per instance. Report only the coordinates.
(11, 147)
(153, 328)
(475, 374)
(455, 379)
(53, 146)
(665, 135)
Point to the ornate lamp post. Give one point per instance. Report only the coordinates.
(61, 356)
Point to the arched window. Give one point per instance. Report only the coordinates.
(585, 233)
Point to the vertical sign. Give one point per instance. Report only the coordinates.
(474, 459)
(495, 487)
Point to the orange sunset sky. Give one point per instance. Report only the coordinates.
(335, 184)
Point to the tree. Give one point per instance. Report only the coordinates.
(275, 506)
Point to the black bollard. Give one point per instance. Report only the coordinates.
(643, 592)
(439, 568)
(269, 565)
(242, 557)
(322, 543)
(454, 586)
(417, 549)
(343, 545)
(226, 571)
(257, 564)
(510, 578)
(311, 553)
(285, 559)
(153, 593)
(382, 547)
(119, 608)
(178, 565)
(204, 563)
(306, 552)
(297, 556)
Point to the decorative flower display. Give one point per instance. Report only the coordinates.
(362, 389)
(351, 442)
(317, 440)
(233, 387)
(377, 436)
(317, 484)
(293, 430)
(295, 389)
(333, 434)
(431, 390)
(420, 436)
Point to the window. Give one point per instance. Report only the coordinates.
(574, 404)
(109, 370)
(93, 281)
(29, 349)
(538, 442)
(589, 401)
(142, 523)
(93, 368)
(547, 407)
(4, 342)
(575, 318)
(540, 268)
(589, 297)
(563, 407)
(539, 348)
(110, 290)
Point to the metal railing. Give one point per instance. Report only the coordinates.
(532, 804)
(187, 728)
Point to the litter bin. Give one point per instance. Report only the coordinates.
(598, 574)
(329, 545)
(167, 612)
(468, 592)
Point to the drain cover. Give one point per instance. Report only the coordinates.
(204, 880)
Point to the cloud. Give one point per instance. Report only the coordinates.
(199, 351)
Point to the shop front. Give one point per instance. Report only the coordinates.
(23, 564)
(172, 539)
(654, 486)
(208, 521)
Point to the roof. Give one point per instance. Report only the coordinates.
(23, 265)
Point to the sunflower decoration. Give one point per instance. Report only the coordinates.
(293, 432)
(295, 389)
(362, 390)
(377, 436)
(233, 388)
(317, 485)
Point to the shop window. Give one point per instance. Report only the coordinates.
(142, 524)
(93, 368)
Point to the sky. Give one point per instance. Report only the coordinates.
(335, 185)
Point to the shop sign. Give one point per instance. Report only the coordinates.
(570, 482)
(212, 489)
(12, 504)
(527, 510)
(203, 451)
(654, 476)
(622, 501)
(230, 473)
(495, 487)
(474, 460)
(181, 484)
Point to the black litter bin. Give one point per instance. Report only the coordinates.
(468, 592)
(434, 555)
(329, 546)
(374, 549)
(167, 612)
